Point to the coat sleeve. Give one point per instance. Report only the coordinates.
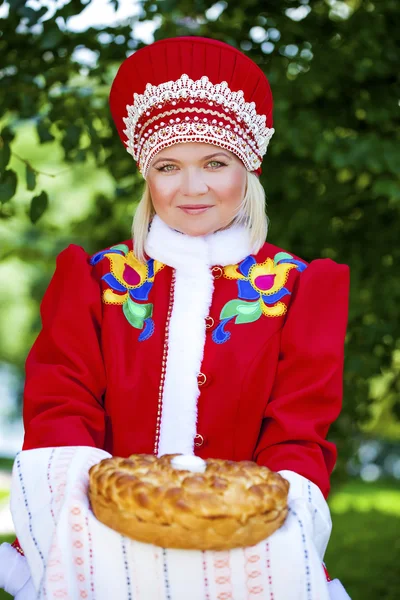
(307, 392)
(65, 375)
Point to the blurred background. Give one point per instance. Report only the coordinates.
(332, 181)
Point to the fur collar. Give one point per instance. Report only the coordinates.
(192, 259)
(182, 251)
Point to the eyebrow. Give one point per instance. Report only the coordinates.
(203, 158)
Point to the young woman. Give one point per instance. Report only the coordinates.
(197, 337)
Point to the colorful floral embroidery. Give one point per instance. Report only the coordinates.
(260, 289)
(130, 282)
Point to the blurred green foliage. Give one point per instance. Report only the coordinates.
(331, 172)
(364, 549)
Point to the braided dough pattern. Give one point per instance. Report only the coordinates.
(232, 504)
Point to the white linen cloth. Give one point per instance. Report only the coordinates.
(71, 555)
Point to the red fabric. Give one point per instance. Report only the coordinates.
(65, 375)
(305, 397)
(16, 545)
(168, 59)
(328, 577)
(271, 390)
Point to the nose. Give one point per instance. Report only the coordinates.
(192, 183)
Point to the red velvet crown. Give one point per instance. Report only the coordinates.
(192, 89)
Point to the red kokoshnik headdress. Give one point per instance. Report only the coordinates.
(192, 89)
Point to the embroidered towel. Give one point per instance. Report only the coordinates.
(71, 555)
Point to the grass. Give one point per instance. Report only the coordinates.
(6, 463)
(364, 554)
(364, 550)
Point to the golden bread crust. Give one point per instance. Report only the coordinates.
(231, 504)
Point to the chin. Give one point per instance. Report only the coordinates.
(198, 230)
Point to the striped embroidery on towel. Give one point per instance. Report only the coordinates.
(269, 572)
(77, 521)
(57, 469)
(310, 500)
(26, 503)
(166, 576)
(160, 585)
(223, 576)
(91, 565)
(126, 565)
(57, 477)
(305, 553)
(78, 538)
(49, 484)
(309, 491)
(254, 579)
(205, 576)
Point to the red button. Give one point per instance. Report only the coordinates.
(217, 272)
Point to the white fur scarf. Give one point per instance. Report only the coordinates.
(192, 259)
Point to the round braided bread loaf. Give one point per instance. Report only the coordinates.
(231, 504)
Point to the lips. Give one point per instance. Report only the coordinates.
(194, 209)
(195, 206)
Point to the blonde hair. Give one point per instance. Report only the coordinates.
(251, 213)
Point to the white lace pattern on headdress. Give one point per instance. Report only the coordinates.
(248, 139)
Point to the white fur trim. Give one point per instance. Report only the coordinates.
(193, 294)
(192, 258)
(183, 252)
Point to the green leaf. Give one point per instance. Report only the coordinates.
(38, 206)
(80, 156)
(15, 4)
(30, 178)
(70, 9)
(5, 154)
(43, 129)
(123, 247)
(248, 312)
(8, 185)
(281, 256)
(248, 308)
(245, 312)
(7, 134)
(230, 309)
(137, 313)
(137, 309)
(32, 15)
(27, 13)
(71, 137)
(133, 319)
(386, 187)
(51, 38)
(392, 159)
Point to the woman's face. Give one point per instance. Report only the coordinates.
(196, 188)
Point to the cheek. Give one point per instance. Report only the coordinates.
(232, 194)
(162, 192)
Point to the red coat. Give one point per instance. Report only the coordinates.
(270, 385)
